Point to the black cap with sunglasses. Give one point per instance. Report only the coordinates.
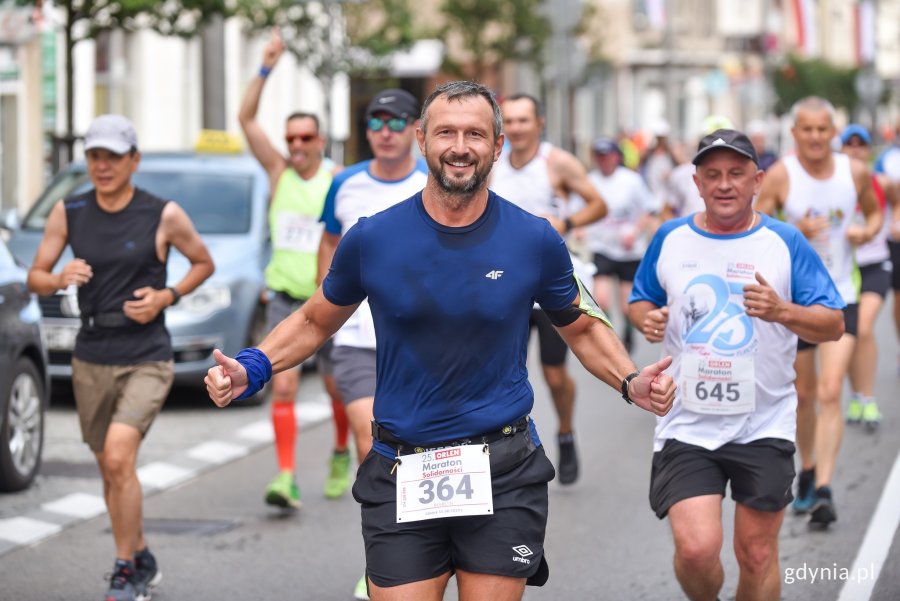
(398, 103)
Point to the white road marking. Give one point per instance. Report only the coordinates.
(79, 505)
(259, 431)
(163, 475)
(877, 543)
(25, 531)
(217, 452)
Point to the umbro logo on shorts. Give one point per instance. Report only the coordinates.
(495, 275)
(523, 552)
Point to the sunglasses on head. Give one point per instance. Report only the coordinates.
(302, 137)
(395, 124)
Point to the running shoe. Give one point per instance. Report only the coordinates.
(361, 592)
(871, 416)
(854, 411)
(806, 492)
(339, 476)
(283, 492)
(122, 585)
(568, 459)
(146, 570)
(822, 512)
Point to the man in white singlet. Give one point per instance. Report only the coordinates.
(539, 177)
(618, 241)
(818, 191)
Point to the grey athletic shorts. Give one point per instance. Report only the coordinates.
(354, 372)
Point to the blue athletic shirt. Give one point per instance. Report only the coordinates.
(451, 308)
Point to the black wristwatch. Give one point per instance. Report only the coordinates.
(175, 296)
(567, 222)
(625, 383)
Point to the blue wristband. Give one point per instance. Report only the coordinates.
(264, 71)
(259, 370)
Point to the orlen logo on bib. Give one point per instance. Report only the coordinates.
(448, 453)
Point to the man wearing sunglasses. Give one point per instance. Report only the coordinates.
(361, 191)
(298, 183)
(539, 177)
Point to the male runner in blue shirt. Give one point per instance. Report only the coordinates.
(451, 275)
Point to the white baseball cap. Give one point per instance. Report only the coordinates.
(111, 132)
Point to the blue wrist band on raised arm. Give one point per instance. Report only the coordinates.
(264, 71)
(259, 370)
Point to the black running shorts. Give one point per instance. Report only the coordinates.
(761, 473)
(894, 247)
(851, 326)
(623, 270)
(876, 278)
(508, 543)
(553, 347)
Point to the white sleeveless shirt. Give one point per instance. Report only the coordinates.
(836, 199)
(528, 186)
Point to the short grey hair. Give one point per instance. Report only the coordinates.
(812, 103)
(464, 89)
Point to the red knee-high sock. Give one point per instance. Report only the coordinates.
(341, 424)
(284, 423)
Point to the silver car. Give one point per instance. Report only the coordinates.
(24, 386)
(226, 198)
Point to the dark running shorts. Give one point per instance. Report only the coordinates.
(553, 347)
(508, 543)
(851, 326)
(624, 270)
(761, 473)
(876, 278)
(894, 247)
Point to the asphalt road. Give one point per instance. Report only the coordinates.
(215, 539)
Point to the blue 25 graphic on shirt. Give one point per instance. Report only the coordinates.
(721, 324)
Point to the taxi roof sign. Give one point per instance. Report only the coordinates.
(217, 141)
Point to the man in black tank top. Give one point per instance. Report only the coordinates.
(122, 367)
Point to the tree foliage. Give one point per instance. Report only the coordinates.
(798, 78)
(331, 36)
(493, 32)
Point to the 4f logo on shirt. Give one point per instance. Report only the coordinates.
(494, 275)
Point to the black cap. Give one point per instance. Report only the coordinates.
(725, 138)
(398, 103)
(604, 145)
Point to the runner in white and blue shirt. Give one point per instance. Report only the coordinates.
(727, 291)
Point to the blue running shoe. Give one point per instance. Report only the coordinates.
(806, 492)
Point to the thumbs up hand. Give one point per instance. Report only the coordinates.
(761, 300)
(226, 380)
(653, 390)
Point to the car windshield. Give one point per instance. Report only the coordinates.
(217, 203)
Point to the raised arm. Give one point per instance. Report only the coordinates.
(260, 145)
